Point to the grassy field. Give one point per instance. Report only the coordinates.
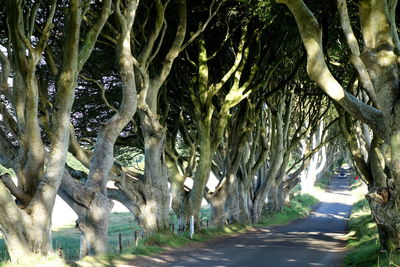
(363, 241)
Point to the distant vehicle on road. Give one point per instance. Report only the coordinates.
(342, 175)
(345, 166)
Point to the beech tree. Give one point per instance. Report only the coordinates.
(37, 160)
(153, 60)
(145, 194)
(224, 199)
(375, 58)
(91, 202)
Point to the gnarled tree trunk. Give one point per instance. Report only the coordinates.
(26, 220)
(94, 205)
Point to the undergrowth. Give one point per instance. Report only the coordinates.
(298, 207)
(363, 241)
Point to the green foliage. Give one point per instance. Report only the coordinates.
(130, 157)
(298, 207)
(169, 239)
(5, 170)
(363, 240)
(260, 9)
(144, 250)
(75, 164)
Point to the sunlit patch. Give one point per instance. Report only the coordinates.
(387, 58)
(206, 258)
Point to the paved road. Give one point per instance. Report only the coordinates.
(317, 240)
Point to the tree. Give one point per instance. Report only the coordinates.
(153, 60)
(377, 68)
(156, 47)
(90, 201)
(38, 161)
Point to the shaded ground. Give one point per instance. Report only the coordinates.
(317, 240)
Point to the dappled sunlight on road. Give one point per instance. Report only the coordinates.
(323, 215)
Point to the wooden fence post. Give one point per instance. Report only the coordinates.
(120, 243)
(136, 238)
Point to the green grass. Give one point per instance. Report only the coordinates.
(298, 207)
(169, 239)
(363, 241)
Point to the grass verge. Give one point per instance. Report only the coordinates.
(298, 207)
(363, 241)
(158, 243)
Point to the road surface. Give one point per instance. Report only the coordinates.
(317, 240)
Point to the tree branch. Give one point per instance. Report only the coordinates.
(355, 51)
(91, 37)
(203, 26)
(318, 71)
(14, 190)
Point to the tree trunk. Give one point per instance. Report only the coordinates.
(154, 211)
(232, 205)
(95, 206)
(26, 235)
(93, 224)
(256, 210)
(274, 201)
(386, 216)
(224, 201)
(202, 174)
(316, 162)
(218, 210)
(26, 227)
(244, 205)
